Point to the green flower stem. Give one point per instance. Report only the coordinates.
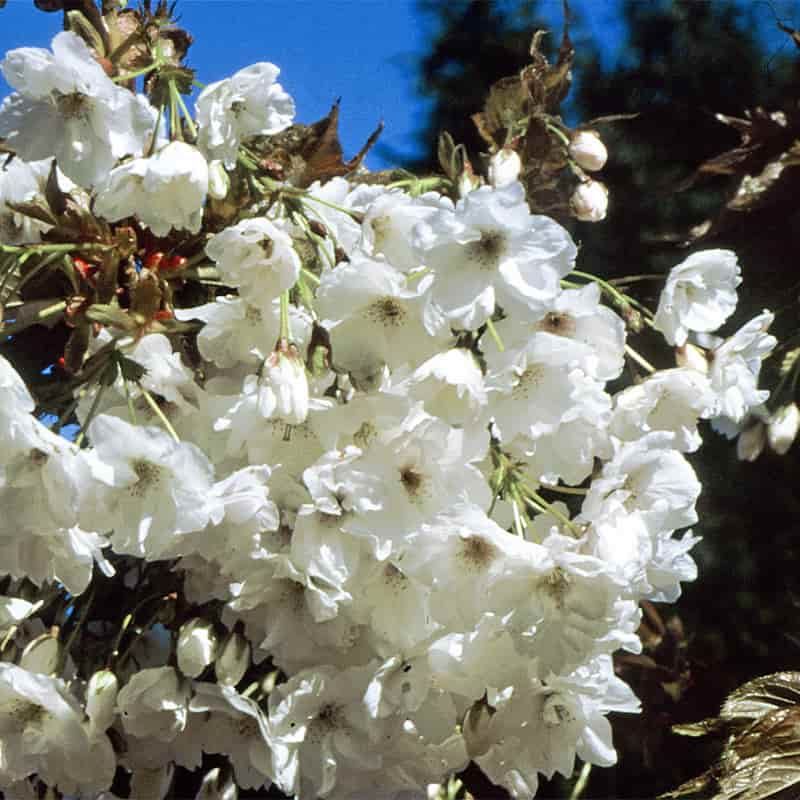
(87, 605)
(285, 332)
(129, 76)
(101, 389)
(636, 279)
(639, 359)
(38, 249)
(417, 275)
(159, 413)
(305, 197)
(539, 501)
(310, 276)
(559, 134)
(581, 783)
(129, 401)
(175, 130)
(186, 114)
(420, 185)
(306, 294)
(619, 297)
(495, 335)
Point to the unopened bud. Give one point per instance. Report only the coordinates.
(588, 151)
(233, 661)
(782, 428)
(751, 442)
(42, 655)
(218, 181)
(476, 728)
(467, 180)
(197, 646)
(285, 374)
(589, 201)
(504, 167)
(101, 696)
(692, 357)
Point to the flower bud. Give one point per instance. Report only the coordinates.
(751, 442)
(692, 357)
(476, 728)
(588, 151)
(285, 375)
(467, 181)
(233, 661)
(197, 646)
(504, 167)
(589, 201)
(42, 655)
(101, 697)
(782, 428)
(218, 181)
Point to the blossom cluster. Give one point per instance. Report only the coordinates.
(386, 457)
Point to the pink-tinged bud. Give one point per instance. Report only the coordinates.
(692, 357)
(589, 201)
(751, 442)
(504, 167)
(782, 428)
(588, 151)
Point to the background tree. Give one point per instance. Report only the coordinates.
(682, 63)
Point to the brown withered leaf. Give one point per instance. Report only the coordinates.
(761, 758)
(762, 695)
(323, 154)
(306, 153)
(765, 163)
(35, 211)
(514, 102)
(56, 198)
(77, 345)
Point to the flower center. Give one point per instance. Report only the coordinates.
(73, 105)
(387, 311)
(558, 323)
(476, 553)
(394, 579)
(252, 314)
(555, 711)
(413, 482)
(487, 251)
(148, 476)
(556, 586)
(24, 713)
(329, 719)
(528, 381)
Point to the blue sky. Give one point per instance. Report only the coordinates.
(364, 51)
